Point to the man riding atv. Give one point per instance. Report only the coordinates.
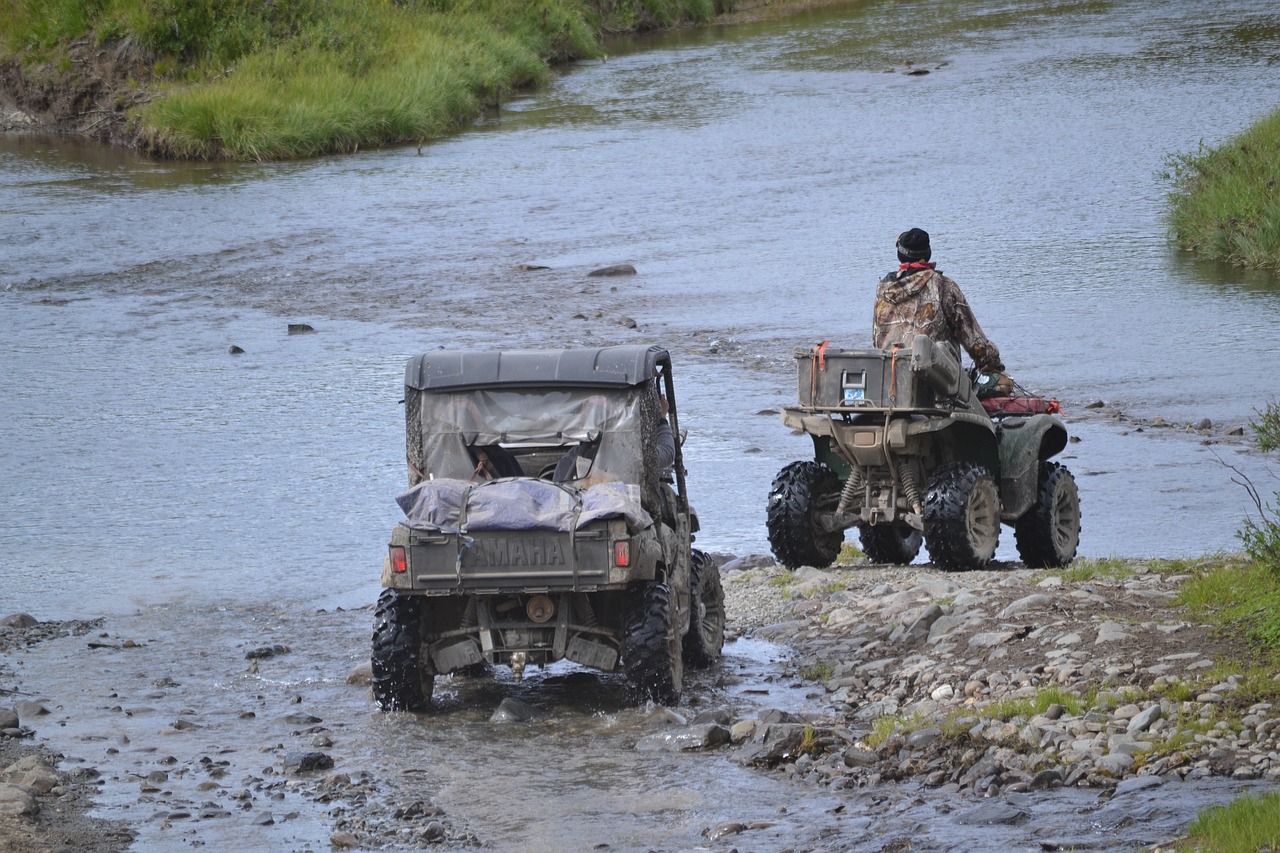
(911, 449)
(917, 299)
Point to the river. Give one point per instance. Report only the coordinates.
(755, 176)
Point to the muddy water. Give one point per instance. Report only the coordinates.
(756, 177)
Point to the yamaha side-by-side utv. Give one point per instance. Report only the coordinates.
(542, 524)
(905, 451)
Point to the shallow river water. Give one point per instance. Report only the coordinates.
(756, 177)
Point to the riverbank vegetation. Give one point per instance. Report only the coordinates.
(1225, 203)
(282, 79)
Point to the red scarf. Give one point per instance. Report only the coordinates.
(915, 266)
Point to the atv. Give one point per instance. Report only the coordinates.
(541, 525)
(907, 452)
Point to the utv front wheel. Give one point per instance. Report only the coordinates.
(703, 643)
(797, 493)
(403, 676)
(962, 516)
(651, 647)
(1049, 532)
(897, 544)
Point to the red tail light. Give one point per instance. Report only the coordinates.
(622, 553)
(399, 561)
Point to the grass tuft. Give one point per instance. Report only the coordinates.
(1225, 201)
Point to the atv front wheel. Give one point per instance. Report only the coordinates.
(797, 493)
(1049, 532)
(703, 643)
(962, 516)
(403, 676)
(897, 544)
(651, 645)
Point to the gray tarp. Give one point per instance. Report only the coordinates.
(519, 504)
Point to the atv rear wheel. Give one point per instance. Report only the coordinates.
(1049, 532)
(962, 516)
(897, 544)
(651, 645)
(705, 640)
(403, 676)
(797, 493)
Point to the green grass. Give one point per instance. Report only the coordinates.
(1246, 825)
(283, 79)
(1225, 201)
(1242, 600)
(1104, 567)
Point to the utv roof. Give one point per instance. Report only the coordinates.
(618, 366)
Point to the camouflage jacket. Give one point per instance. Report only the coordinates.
(921, 300)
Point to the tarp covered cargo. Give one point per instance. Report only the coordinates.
(519, 504)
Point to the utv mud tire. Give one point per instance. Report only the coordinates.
(705, 640)
(897, 544)
(402, 676)
(962, 516)
(1049, 532)
(797, 493)
(651, 647)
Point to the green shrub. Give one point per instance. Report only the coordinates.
(1267, 427)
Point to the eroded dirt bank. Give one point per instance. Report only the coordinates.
(91, 92)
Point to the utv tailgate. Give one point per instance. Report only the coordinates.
(513, 560)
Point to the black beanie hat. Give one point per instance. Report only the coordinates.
(913, 245)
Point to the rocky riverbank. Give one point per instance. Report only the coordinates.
(979, 686)
(1001, 681)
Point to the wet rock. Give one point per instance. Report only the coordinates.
(343, 840)
(689, 739)
(992, 813)
(264, 652)
(527, 267)
(300, 329)
(1096, 404)
(613, 270)
(725, 830)
(306, 762)
(8, 719)
(627, 323)
(298, 718)
(235, 350)
(19, 620)
(1136, 783)
(27, 709)
(362, 675)
(512, 711)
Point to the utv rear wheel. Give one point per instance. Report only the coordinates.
(403, 675)
(962, 516)
(651, 647)
(798, 492)
(897, 544)
(1049, 532)
(705, 640)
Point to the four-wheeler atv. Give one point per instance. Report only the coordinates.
(904, 451)
(541, 527)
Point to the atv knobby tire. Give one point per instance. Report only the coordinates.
(961, 516)
(797, 493)
(403, 676)
(651, 647)
(897, 544)
(1049, 533)
(705, 640)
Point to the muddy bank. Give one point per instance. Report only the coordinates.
(193, 742)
